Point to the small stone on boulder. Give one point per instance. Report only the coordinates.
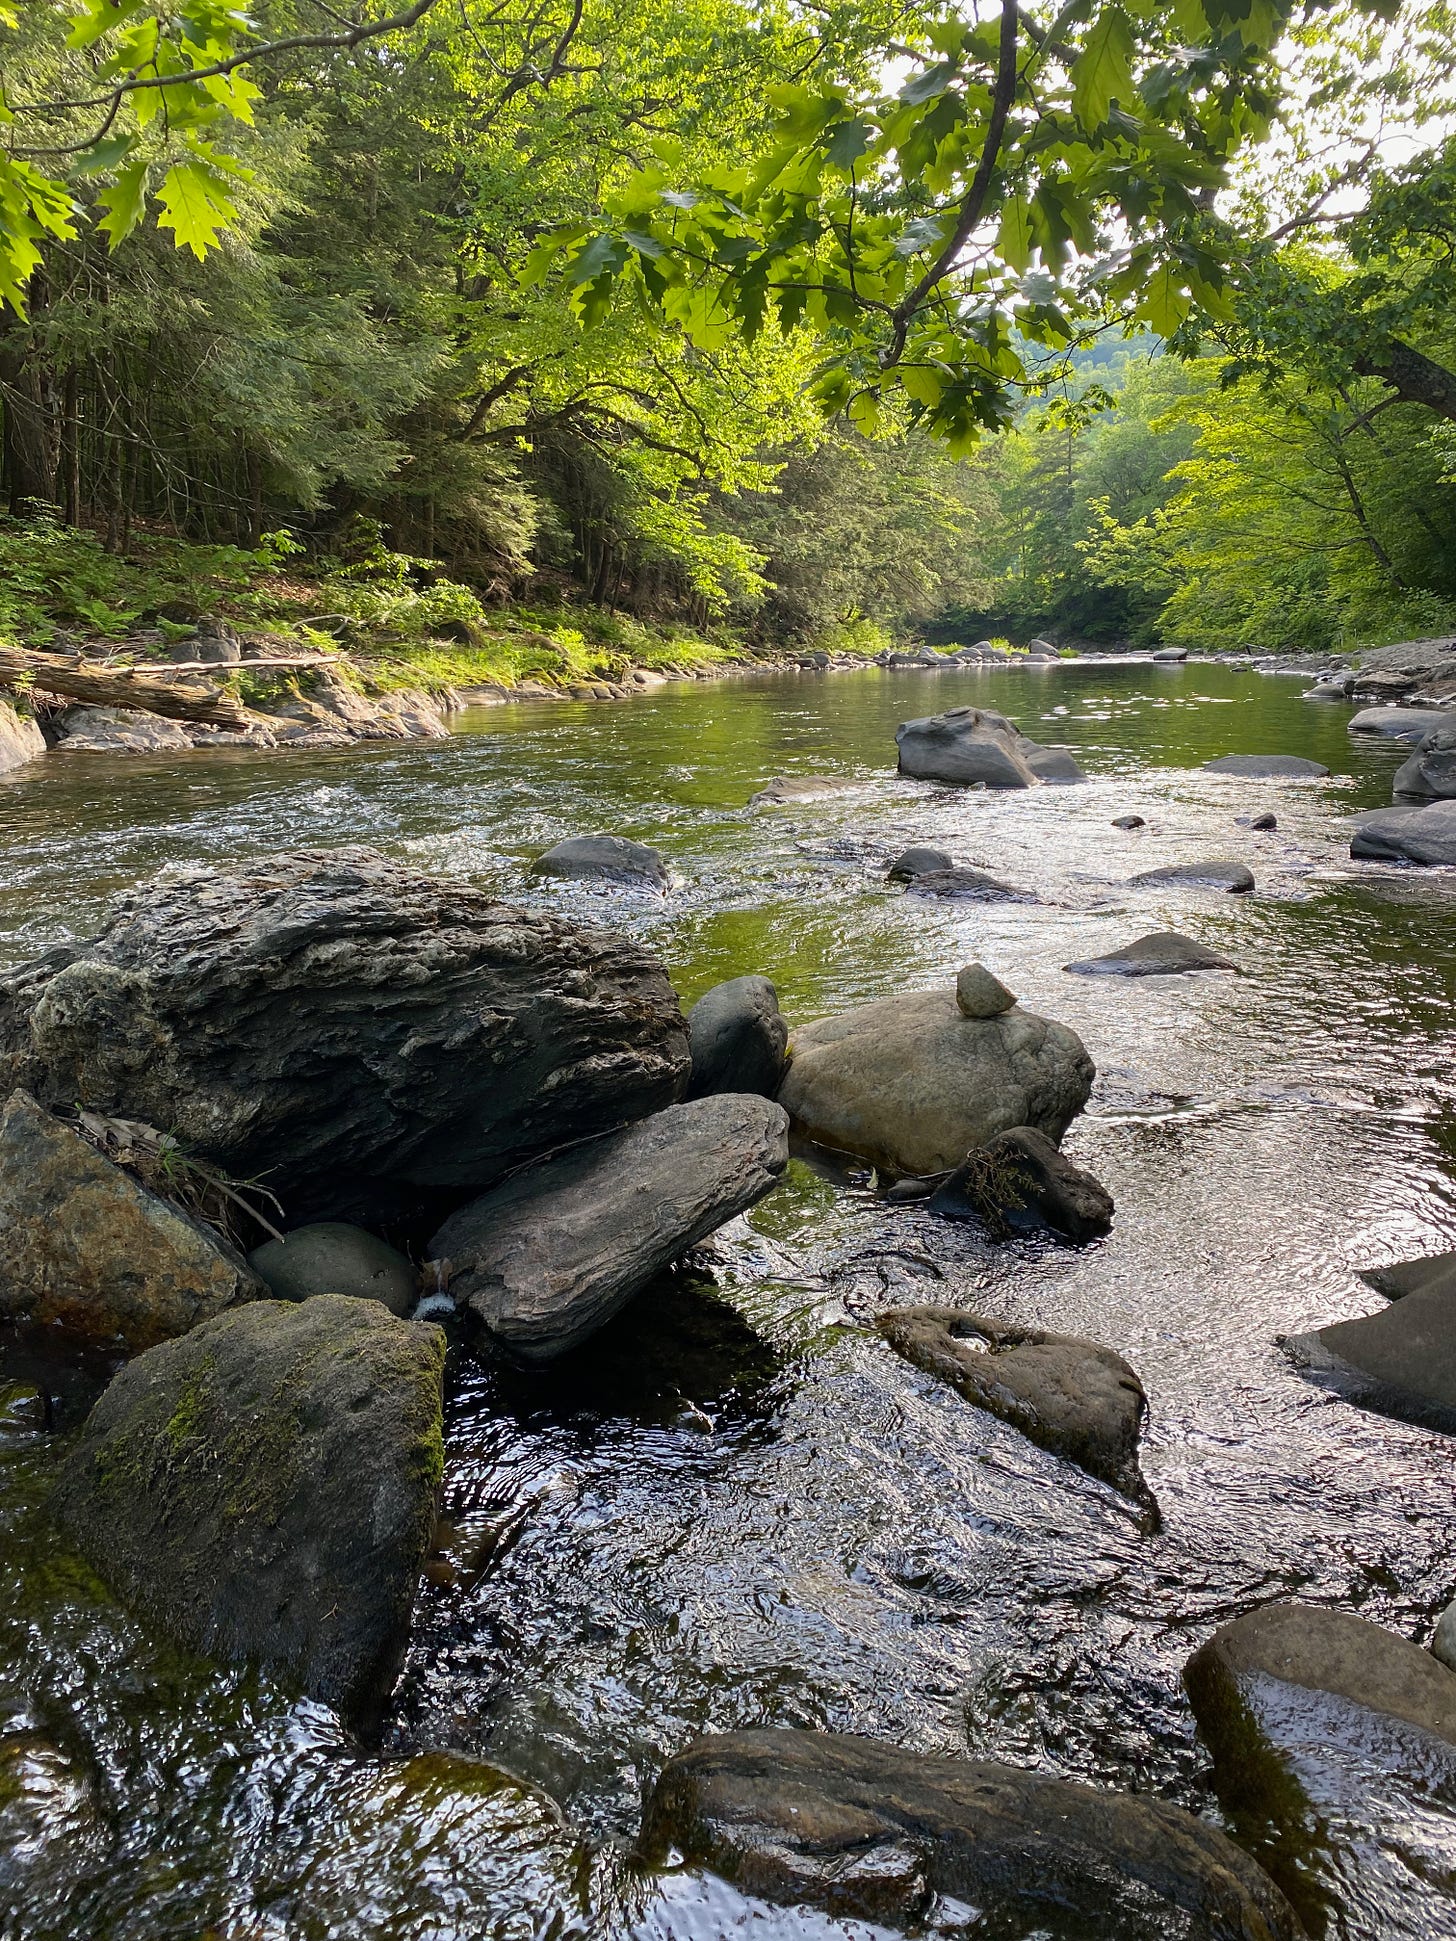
(1165, 953)
(265, 1488)
(332, 1258)
(608, 859)
(918, 861)
(979, 994)
(1267, 767)
(870, 1831)
(1019, 1183)
(86, 1248)
(549, 1255)
(1071, 1397)
(738, 1039)
(1220, 873)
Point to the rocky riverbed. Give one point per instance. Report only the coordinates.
(780, 1489)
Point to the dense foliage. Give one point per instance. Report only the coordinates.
(799, 319)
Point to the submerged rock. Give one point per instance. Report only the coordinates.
(1400, 1362)
(967, 886)
(348, 1028)
(976, 747)
(21, 740)
(797, 788)
(86, 1248)
(609, 859)
(1399, 724)
(1430, 773)
(332, 1258)
(1267, 767)
(1166, 953)
(738, 1039)
(1220, 873)
(1129, 822)
(1020, 1182)
(1071, 1397)
(265, 1488)
(550, 1254)
(911, 1084)
(867, 1830)
(1264, 823)
(1408, 835)
(918, 861)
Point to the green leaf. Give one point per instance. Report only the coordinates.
(1102, 72)
(98, 17)
(928, 85)
(104, 157)
(194, 207)
(1014, 240)
(124, 202)
(1164, 304)
(849, 141)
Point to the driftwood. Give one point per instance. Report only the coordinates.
(110, 687)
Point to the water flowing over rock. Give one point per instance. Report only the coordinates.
(1073, 1398)
(867, 1830)
(1430, 773)
(1400, 1362)
(86, 1248)
(332, 1258)
(548, 1256)
(347, 1027)
(738, 1039)
(1267, 767)
(265, 1488)
(976, 747)
(911, 1084)
(1166, 953)
(798, 788)
(1409, 835)
(1221, 873)
(610, 859)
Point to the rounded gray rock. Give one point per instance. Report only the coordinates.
(981, 995)
(1219, 873)
(738, 1039)
(333, 1258)
(1166, 953)
(918, 860)
(609, 859)
(1267, 767)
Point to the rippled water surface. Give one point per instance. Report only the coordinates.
(738, 1507)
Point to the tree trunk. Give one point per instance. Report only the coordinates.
(31, 447)
(110, 687)
(1413, 376)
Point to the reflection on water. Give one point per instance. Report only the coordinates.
(738, 1507)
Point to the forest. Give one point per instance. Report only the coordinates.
(780, 324)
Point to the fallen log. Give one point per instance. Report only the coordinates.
(106, 687)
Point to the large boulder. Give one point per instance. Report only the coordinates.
(1430, 773)
(911, 1084)
(1166, 953)
(1267, 767)
(738, 1039)
(1219, 873)
(333, 1258)
(86, 1248)
(1071, 1397)
(976, 747)
(1398, 724)
(1020, 1183)
(265, 1488)
(1399, 1362)
(607, 859)
(867, 1830)
(21, 740)
(548, 1256)
(1408, 835)
(347, 1027)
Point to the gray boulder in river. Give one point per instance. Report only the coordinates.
(977, 747)
(332, 1258)
(606, 859)
(1399, 724)
(1020, 1183)
(1171, 654)
(1219, 873)
(866, 1830)
(911, 1083)
(1166, 953)
(967, 886)
(738, 1039)
(87, 1249)
(347, 1027)
(1399, 1362)
(1408, 835)
(1267, 767)
(550, 1254)
(1071, 1397)
(1430, 773)
(265, 1487)
(918, 860)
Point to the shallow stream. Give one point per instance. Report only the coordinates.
(737, 1506)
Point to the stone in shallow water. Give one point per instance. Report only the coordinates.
(1408, 835)
(1166, 953)
(967, 886)
(1267, 767)
(978, 748)
(86, 1248)
(867, 1830)
(265, 1487)
(738, 1039)
(1129, 822)
(1073, 1398)
(332, 1258)
(918, 860)
(798, 788)
(1219, 873)
(607, 859)
(550, 1254)
(1399, 724)
(1430, 773)
(1400, 1362)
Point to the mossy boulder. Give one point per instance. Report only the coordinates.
(264, 1488)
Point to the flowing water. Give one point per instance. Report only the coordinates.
(737, 1506)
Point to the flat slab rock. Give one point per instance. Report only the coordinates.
(264, 1488)
(1219, 873)
(1408, 835)
(1267, 767)
(1399, 724)
(345, 1027)
(780, 789)
(863, 1829)
(1073, 1398)
(607, 859)
(911, 1084)
(86, 1248)
(1400, 1362)
(549, 1255)
(1166, 953)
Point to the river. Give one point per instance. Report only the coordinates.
(737, 1506)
